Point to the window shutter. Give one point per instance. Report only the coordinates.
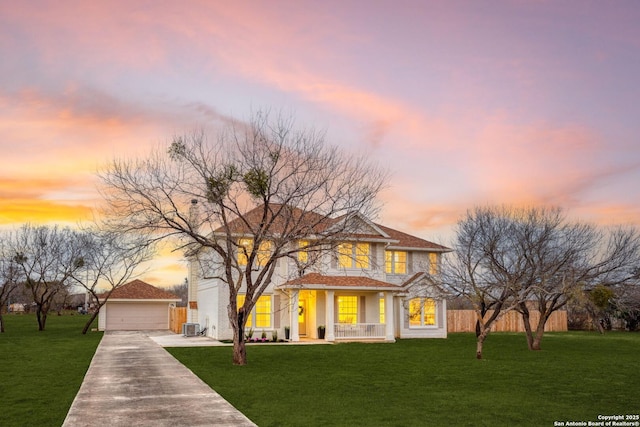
(361, 310)
(410, 262)
(276, 311)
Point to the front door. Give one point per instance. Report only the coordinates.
(302, 317)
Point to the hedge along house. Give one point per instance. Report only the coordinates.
(136, 306)
(364, 286)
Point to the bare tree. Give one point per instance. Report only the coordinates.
(9, 278)
(45, 257)
(244, 201)
(483, 269)
(108, 260)
(568, 258)
(627, 302)
(534, 258)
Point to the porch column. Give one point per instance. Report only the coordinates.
(389, 316)
(330, 334)
(295, 307)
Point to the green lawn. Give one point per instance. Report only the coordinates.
(576, 377)
(41, 372)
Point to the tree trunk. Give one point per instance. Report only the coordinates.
(479, 344)
(88, 324)
(526, 320)
(239, 349)
(1, 322)
(537, 339)
(41, 315)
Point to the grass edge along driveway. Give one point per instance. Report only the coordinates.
(576, 377)
(41, 372)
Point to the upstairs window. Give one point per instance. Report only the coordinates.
(303, 253)
(354, 255)
(433, 263)
(245, 247)
(395, 262)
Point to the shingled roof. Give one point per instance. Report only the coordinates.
(319, 223)
(140, 290)
(407, 241)
(320, 281)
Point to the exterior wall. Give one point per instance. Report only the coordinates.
(210, 297)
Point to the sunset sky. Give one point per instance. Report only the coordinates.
(467, 102)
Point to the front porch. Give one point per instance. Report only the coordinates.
(346, 315)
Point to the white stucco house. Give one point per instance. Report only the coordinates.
(369, 286)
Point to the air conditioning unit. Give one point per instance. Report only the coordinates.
(190, 329)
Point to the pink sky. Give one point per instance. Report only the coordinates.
(497, 102)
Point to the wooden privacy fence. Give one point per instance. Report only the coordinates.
(465, 321)
(177, 316)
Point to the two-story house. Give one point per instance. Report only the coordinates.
(371, 284)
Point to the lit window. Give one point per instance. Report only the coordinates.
(381, 310)
(352, 255)
(264, 252)
(303, 252)
(433, 263)
(396, 262)
(422, 312)
(245, 247)
(347, 309)
(261, 314)
(240, 303)
(344, 255)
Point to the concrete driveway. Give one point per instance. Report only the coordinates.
(133, 381)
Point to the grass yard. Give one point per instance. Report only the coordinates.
(41, 372)
(576, 377)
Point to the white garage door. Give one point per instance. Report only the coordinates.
(122, 316)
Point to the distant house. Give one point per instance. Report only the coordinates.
(136, 306)
(364, 289)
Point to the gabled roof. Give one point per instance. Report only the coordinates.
(320, 281)
(252, 219)
(318, 223)
(139, 290)
(407, 241)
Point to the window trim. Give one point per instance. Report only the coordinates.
(253, 317)
(390, 262)
(355, 314)
(262, 254)
(355, 254)
(422, 324)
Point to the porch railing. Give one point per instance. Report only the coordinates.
(359, 330)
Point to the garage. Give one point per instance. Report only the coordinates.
(136, 306)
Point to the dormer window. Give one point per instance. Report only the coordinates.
(354, 255)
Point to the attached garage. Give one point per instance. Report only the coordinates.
(136, 306)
